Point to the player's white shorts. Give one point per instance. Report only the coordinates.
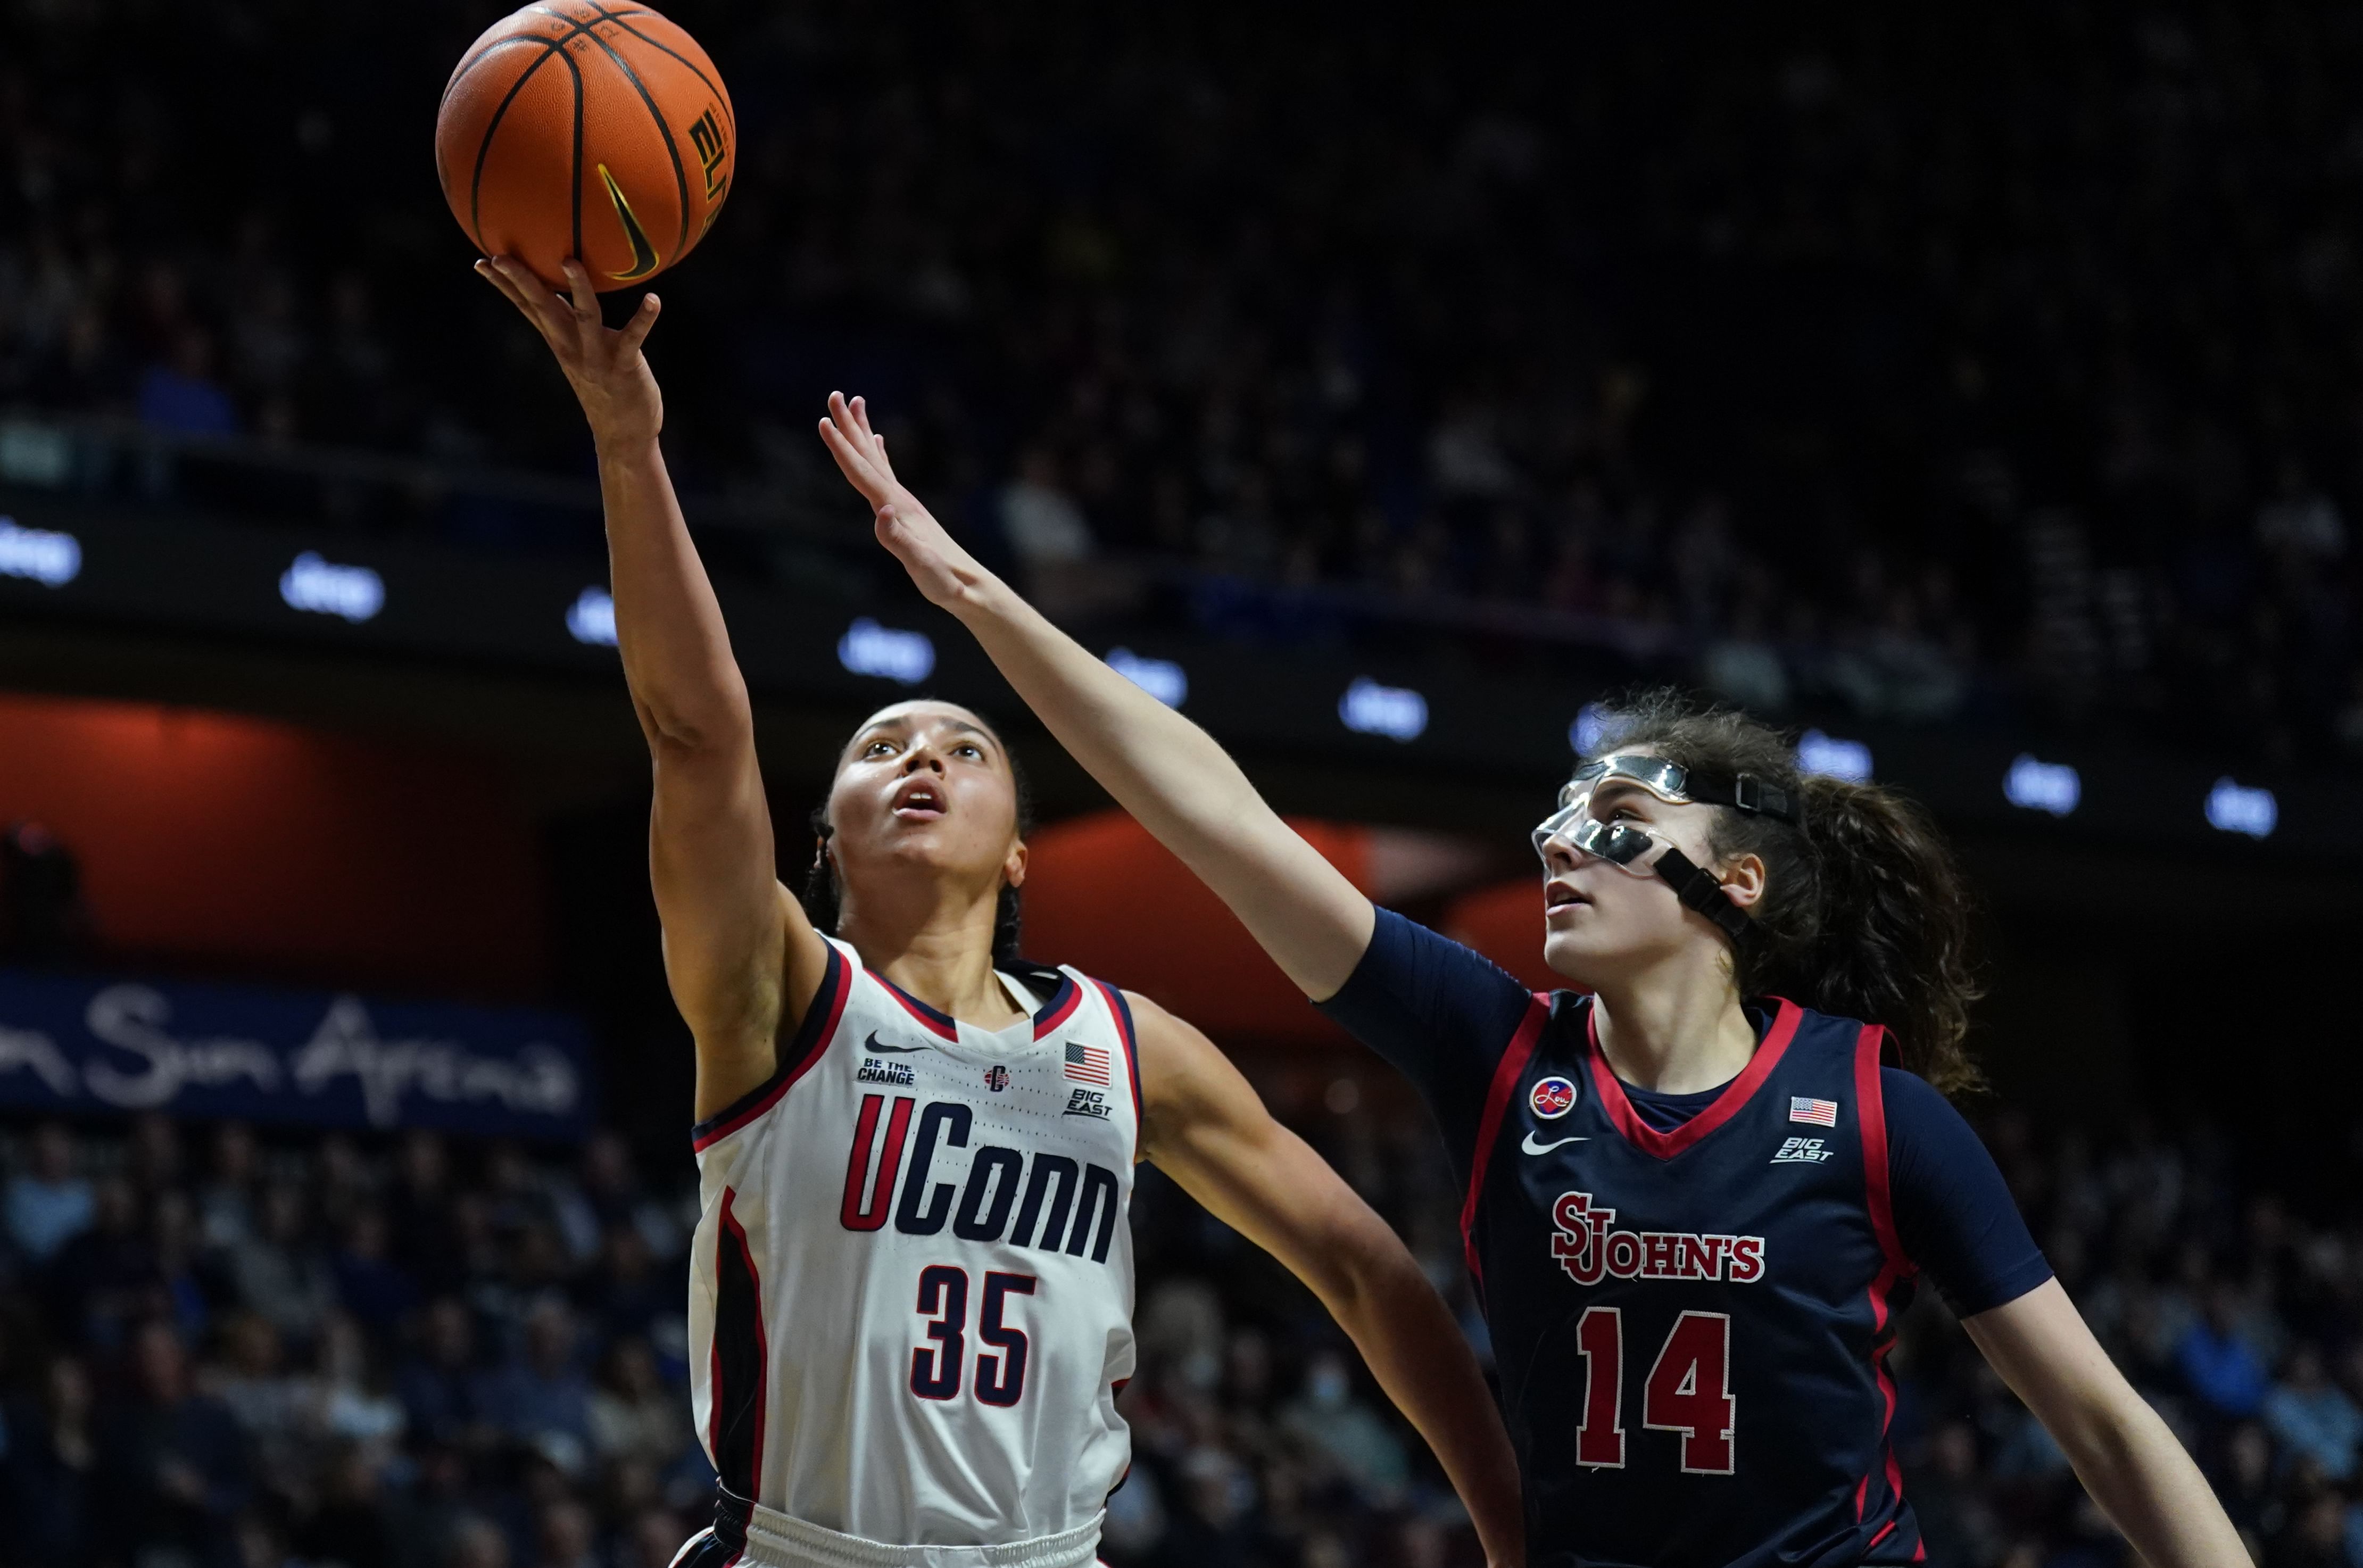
(773, 1539)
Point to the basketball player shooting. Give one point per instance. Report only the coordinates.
(912, 1283)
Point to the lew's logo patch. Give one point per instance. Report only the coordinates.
(1553, 1097)
(996, 1078)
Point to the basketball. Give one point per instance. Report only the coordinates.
(590, 129)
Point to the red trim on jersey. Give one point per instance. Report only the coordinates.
(1123, 1011)
(1871, 1117)
(942, 1025)
(1870, 1111)
(1506, 1073)
(1061, 1007)
(729, 1222)
(1666, 1145)
(818, 1033)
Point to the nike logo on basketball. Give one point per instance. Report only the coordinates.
(874, 1049)
(644, 255)
(1531, 1147)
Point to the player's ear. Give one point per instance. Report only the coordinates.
(1013, 864)
(823, 830)
(1743, 879)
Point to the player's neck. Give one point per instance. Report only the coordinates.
(939, 951)
(1674, 1034)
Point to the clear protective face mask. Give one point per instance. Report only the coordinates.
(1633, 848)
(1628, 846)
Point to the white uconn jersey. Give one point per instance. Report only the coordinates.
(910, 1301)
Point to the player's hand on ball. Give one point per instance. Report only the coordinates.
(605, 365)
(943, 571)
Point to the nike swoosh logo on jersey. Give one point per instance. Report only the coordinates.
(877, 1050)
(1531, 1147)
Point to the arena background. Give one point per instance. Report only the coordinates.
(1976, 393)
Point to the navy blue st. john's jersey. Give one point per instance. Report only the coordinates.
(1693, 1325)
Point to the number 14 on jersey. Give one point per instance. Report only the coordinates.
(1688, 1391)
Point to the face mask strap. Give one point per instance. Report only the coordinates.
(1696, 887)
(1679, 786)
(1744, 793)
(1699, 890)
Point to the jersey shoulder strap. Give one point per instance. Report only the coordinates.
(795, 1054)
(1820, 1039)
(1841, 1057)
(1110, 1000)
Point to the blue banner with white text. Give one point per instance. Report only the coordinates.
(88, 1045)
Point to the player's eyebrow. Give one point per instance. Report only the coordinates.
(1615, 792)
(903, 724)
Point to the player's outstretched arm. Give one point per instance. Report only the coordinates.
(739, 954)
(1160, 767)
(2126, 1456)
(1202, 1125)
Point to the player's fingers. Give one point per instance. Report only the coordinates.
(848, 461)
(503, 279)
(532, 296)
(842, 430)
(872, 444)
(636, 330)
(580, 294)
(490, 271)
(491, 274)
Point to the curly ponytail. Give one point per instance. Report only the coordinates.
(1864, 913)
(1895, 930)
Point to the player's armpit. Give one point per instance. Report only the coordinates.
(1203, 1126)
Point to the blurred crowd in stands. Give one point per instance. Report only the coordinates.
(218, 1351)
(221, 1352)
(1920, 363)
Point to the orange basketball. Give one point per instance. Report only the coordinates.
(592, 128)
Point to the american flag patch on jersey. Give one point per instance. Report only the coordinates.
(1820, 1113)
(1087, 1063)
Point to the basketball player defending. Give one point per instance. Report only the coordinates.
(913, 1286)
(1695, 1258)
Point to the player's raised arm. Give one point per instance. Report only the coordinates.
(1202, 1125)
(739, 954)
(1184, 787)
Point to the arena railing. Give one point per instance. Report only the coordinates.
(115, 459)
